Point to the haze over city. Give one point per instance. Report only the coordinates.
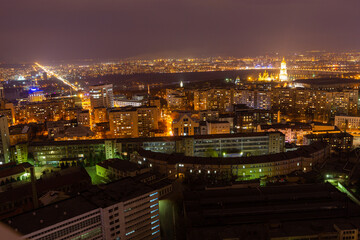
(65, 30)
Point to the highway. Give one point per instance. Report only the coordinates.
(66, 82)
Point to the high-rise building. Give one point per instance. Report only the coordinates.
(102, 96)
(283, 71)
(2, 94)
(133, 122)
(4, 140)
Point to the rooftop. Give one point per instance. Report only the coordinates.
(10, 169)
(153, 139)
(280, 211)
(295, 125)
(54, 181)
(122, 165)
(91, 199)
(329, 135)
(46, 216)
(19, 129)
(115, 192)
(179, 158)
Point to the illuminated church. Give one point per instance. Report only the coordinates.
(266, 77)
(283, 76)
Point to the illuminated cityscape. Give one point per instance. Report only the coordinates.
(213, 120)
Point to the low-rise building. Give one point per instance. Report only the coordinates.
(127, 102)
(14, 173)
(245, 168)
(275, 213)
(79, 132)
(24, 197)
(294, 132)
(185, 125)
(217, 127)
(117, 168)
(51, 152)
(83, 118)
(247, 119)
(338, 141)
(209, 115)
(347, 122)
(100, 115)
(54, 127)
(20, 133)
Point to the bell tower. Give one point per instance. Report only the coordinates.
(283, 76)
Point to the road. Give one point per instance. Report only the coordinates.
(58, 77)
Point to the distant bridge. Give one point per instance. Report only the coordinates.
(301, 69)
(321, 70)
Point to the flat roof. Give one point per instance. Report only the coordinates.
(115, 192)
(54, 181)
(119, 164)
(86, 201)
(297, 125)
(329, 135)
(277, 204)
(8, 170)
(152, 139)
(174, 158)
(51, 214)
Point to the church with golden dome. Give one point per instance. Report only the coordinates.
(266, 77)
(283, 76)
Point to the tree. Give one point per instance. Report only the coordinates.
(30, 158)
(91, 159)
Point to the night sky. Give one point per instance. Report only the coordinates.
(71, 29)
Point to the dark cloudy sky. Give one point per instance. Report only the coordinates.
(70, 29)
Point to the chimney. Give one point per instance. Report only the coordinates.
(33, 188)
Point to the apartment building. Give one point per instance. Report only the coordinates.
(245, 168)
(102, 96)
(134, 122)
(125, 209)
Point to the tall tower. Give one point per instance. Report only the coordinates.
(4, 140)
(2, 93)
(283, 76)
